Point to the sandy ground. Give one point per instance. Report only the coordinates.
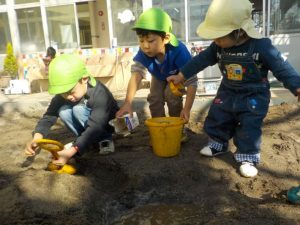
(135, 187)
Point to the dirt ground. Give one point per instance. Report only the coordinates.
(135, 187)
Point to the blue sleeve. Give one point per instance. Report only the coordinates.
(141, 58)
(206, 58)
(279, 66)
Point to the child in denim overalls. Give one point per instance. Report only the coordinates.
(242, 100)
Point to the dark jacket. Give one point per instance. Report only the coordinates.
(265, 56)
(103, 108)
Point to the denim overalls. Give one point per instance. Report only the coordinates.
(240, 106)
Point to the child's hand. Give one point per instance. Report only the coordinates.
(64, 156)
(298, 94)
(185, 115)
(31, 148)
(176, 79)
(126, 108)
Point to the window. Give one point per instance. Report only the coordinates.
(257, 16)
(62, 27)
(197, 12)
(175, 9)
(124, 14)
(285, 16)
(25, 1)
(2, 2)
(30, 29)
(84, 25)
(4, 32)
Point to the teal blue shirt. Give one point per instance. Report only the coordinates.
(175, 59)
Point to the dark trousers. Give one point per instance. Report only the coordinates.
(238, 114)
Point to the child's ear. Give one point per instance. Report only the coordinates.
(84, 80)
(167, 38)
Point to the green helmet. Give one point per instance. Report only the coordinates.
(64, 73)
(158, 20)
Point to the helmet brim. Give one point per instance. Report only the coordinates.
(206, 31)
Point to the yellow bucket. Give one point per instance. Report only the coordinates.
(165, 135)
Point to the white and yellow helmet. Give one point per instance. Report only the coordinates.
(225, 16)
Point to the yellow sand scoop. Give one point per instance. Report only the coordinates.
(53, 147)
(177, 89)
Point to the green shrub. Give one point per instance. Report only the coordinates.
(10, 62)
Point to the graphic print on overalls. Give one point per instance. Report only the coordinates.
(239, 69)
(234, 72)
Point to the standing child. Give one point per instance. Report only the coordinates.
(242, 100)
(162, 55)
(82, 103)
(50, 55)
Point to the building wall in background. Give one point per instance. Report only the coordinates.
(75, 25)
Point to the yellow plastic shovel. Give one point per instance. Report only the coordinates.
(53, 147)
(177, 89)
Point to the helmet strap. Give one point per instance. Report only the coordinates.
(237, 35)
(240, 37)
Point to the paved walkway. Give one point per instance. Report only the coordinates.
(30, 104)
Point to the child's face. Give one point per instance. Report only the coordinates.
(225, 42)
(153, 45)
(77, 92)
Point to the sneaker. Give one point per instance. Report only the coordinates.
(248, 169)
(106, 147)
(209, 151)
